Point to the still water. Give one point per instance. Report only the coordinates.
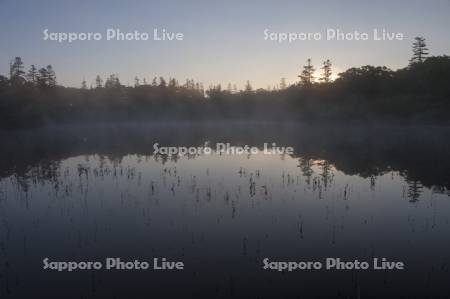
(88, 193)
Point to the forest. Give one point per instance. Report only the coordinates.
(417, 93)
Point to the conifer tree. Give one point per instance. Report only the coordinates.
(16, 68)
(98, 82)
(326, 68)
(307, 75)
(420, 50)
(32, 74)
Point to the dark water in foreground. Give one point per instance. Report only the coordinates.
(83, 194)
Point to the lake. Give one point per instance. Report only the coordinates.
(87, 193)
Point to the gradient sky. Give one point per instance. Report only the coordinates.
(224, 40)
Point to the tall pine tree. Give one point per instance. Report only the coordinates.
(420, 50)
(307, 75)
(326, 71)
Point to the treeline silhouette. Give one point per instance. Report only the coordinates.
(419, 92)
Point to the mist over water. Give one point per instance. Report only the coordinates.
(87, 193)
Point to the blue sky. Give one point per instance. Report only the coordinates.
(223, 40)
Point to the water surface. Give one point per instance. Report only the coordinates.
(87, 193)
